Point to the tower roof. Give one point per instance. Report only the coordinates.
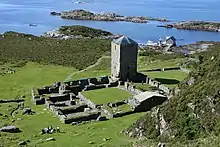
(123, 40)
(171, 37)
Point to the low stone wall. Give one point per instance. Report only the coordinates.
(11, 101)
(123, 114)
(131, 89)
(109, 114)
(113, 84)
(165, 89)
(87, 101)
(59, 97)
(162, 69)
(37, 99)
(94, 87)
(71, 109)
(93, 81)
(157, 84)
(104, 80)
(79, 117)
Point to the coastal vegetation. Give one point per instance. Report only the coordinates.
(193, 113)
(18, 51)
(78, 53)
(83, 31)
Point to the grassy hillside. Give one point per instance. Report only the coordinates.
(16, 49)
(78, 53)
(192, 113)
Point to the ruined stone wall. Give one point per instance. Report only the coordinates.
(60, 97)
(80, 117)
(165, 89)
(87, 101)
(94, 87)
(157, 84)
(37, 99)
(130, 88)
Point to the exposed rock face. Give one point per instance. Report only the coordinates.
(164, 126)
(10, 129)
(86, 15)
(23, 143)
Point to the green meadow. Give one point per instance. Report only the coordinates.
(104, 96)
(50, 60)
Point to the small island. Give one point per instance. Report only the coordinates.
(195, 25)
(77, 31)
(87, 15)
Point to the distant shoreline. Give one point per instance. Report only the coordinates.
(87, 15)
(195, 25)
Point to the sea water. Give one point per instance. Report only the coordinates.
(16, 15)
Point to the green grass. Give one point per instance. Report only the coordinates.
(103, 96)
(143, 87)
(30, 76)
(151, 62)
(125, 108)
(36, 75)
(78, 53)
(101, 69)
(168, 78)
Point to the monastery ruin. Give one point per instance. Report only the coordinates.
(66, 99)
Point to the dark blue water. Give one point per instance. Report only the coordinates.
(16, 15)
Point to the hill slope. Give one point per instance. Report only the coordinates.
(78, 53)
(193, 112)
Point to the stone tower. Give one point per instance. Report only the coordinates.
(124, 53)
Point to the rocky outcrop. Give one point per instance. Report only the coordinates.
(86, 15)
(10, 129)
(195, 25)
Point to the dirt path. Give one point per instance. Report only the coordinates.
(89, 67)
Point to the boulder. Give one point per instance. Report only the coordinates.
(55, 13)
(91, 142)
(50, 139)
(101, 118)
(10, 129)
(22, 143)
(161, 144)
(27, 111)
(74, 123)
